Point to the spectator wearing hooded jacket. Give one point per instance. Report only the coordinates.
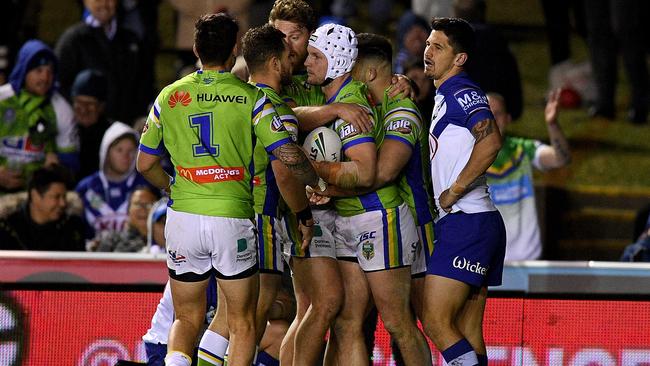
(105, 194)
(35, 120)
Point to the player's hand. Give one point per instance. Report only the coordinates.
(550, 112)
(446, 200)
(306, 233)
(356, 115)
(400, 84)
(317, 197)
(10, 179)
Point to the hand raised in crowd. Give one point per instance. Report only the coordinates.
(552, 105)
(400, 84)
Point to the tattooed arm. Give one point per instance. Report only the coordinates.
(293, 172)
(486, 148)
(558, 154)
(296, 161)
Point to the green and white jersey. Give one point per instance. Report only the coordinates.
(303, 93)
(401, 121)
(209, 122)
(386, 197)
(28, 130)
(510, 179)
(266, 194)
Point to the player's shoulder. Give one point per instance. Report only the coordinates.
(463, 95)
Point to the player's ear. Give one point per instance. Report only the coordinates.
(276, 65)
(461, 59)
(371, 74)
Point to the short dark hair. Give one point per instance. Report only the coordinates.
(260, 44)
(374, 46)
(459, 32)
(44, 177)
(215, 36)
(295, 11)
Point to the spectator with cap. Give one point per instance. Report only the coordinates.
(89, 92)
(41, 222)
(35, 120)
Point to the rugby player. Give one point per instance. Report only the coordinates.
(403, 154)
(374, 231)
(207, 121)
(470, 236)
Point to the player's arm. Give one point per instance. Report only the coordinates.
(359, 172)
(393, 156)
(149, 166)
(486, 148)
(558, 154)
(316, 116)
(293, 172)
(297, 163)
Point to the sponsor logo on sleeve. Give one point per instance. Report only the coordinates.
(276, 124)
(470, 99)
(401, 125)
(347, 131)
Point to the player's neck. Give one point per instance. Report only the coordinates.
(220, 68)
(378, 86)
(446, 76)
(270, 80)
(332, 88)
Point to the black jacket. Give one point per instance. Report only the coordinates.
(130, 82)
(19, 232)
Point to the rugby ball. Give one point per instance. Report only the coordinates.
(323, 144)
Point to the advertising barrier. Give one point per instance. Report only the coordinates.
(81, 323)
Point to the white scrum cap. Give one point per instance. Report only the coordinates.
(339, 45)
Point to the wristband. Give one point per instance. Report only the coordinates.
(304, 216)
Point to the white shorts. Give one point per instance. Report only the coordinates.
(381, 239)
(198, 244)
(425, 234)
(322, 245)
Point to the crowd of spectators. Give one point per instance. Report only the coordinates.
(75, 107)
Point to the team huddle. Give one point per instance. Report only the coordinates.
(351, 215)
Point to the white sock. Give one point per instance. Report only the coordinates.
(212, 348)
(176, 358)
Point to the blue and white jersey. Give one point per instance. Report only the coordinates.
(459, 105)
(106, 202)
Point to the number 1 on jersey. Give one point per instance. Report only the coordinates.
(203, 123)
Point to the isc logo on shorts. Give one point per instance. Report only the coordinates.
(367, 236)
(467, 265)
